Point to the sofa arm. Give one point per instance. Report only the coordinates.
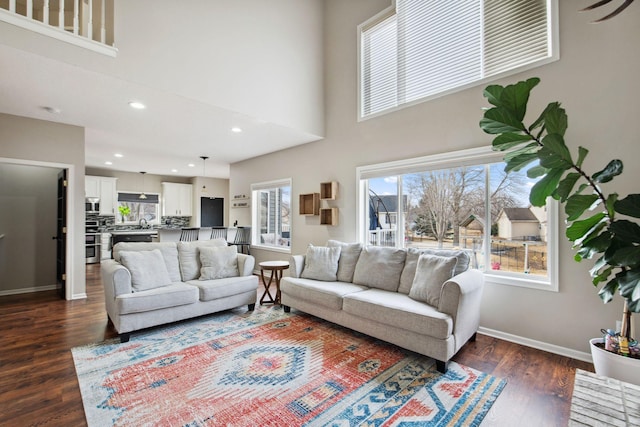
(296, 264)
(460, 298)
(246, 264)
(115, 278)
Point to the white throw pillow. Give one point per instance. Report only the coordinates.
(409, 271)
(431, 273)
(321, 263)
(189, 256)
(379, 267)
(218, 262)
(147, 268)
(349, 254)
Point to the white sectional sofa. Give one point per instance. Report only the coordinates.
(149, 284)
(427, 301)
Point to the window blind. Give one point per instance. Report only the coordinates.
(428, 47)
(135, 197)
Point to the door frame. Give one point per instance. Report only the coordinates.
(71, 230)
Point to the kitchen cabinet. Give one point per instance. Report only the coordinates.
(103, 188)
(176, 199)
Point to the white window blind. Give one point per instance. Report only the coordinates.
(430, 47)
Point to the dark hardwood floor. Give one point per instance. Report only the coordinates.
(38, 385)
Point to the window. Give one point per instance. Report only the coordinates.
(272, 214)
(421, 49)
(462, 200)
(139, 209)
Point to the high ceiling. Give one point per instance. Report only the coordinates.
(173, 131)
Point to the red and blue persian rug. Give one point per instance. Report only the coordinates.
(269, 368)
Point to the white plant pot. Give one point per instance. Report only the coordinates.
(613, 365)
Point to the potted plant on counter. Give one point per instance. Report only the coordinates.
(600, 226)
(124, 211)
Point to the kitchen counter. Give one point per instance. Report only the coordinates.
(141, 231)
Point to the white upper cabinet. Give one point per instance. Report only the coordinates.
(176, 199)
(103, 188)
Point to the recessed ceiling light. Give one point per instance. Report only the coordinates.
(236, 130)
(137, 105)
(108, 163)
(191, 165)
(52, 110)
(118, 155)
(174, 170)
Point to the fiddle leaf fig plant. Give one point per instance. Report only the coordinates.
(596, 223)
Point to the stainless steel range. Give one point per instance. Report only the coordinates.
(92, 241)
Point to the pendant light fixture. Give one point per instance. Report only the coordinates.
(204, 159)
(142, 195)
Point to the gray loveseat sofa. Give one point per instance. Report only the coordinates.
(149, 284)
(427, 301)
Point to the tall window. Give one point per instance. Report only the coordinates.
(138, 209)
(462, 200)
(425, 48)
(272, 214)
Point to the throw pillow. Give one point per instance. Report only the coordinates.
(321, 263)
(379, 267)
(431, 273)
(147, 269)
(218, 262)
(349, 254)
(409, 271)
(189, 256)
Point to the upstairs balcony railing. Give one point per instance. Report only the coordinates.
(85, 23)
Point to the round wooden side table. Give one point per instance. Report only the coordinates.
(276, 268)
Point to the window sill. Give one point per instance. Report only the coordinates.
(281, 250)
(540, 283)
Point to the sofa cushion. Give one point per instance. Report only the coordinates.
(155, 299)
(321, 263)
(349, 254)
(169, 252)
(326, 294)
(189, 256)
(147, 269)
(221, 288)
(409, 271)
(431, 272)
(398, 310)
(218, 262)
(379, 267)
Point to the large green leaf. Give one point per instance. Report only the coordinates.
(626, 231)
(577, 204)
(566, 185)
(629, 281)
(493, 94)
(515, 97)
(545, 187)
(630, 205)
(582, 154)
(610, 204)
(627, 257)
(507, 141)
(614, 168)
(554, 154)
(500, 120)
(540, 120)
(536, 172)
(592, 245)
(579, 229)
(555, 120)
(609, 290)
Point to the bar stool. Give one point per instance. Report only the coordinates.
(243, 239)
(189, 234)
(219, 233)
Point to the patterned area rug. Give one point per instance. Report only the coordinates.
(270, 368)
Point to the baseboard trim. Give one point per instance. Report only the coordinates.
(28, 290)
(551, 348)
(79, 296)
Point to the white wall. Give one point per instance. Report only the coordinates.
(596, 79)
(30, 141)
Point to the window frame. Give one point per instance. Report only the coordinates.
(469, 157)
(255, 213)
(553, 45)
(158, 219)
